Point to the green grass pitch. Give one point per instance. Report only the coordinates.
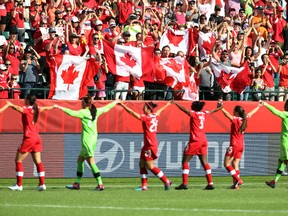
(119, 198)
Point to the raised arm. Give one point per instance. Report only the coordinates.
(4, 107)
(73, 113)
(275, 111)
(255, 109)
(183, 109)
(219, 107)
(227, 114)
(131, 112)
(15, 107)
(42, 109)
(163, 108)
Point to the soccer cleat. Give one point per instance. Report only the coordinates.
(238, 184)
(74, 186)
(41, 187)
(16, 188)
(209, 187)
(182, 187)
(141, 188)
(100, 187)
(167, 185)
(271, 183)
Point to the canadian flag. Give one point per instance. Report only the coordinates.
(206, 42)
(70, 75)
(231, 78)
(129, 60)
(177, 40)
(176, 70)
(193, 34)
(191, 92)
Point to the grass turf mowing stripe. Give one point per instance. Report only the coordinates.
(148, 209)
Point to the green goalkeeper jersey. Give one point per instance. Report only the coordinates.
(284, 116)
(89, 127)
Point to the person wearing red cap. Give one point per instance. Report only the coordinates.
(278, 24)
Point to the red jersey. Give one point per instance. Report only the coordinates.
(149, 125)
(236, 138)
(197, 120)
(29, 127)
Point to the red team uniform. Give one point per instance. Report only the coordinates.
(236, 147)
(149, 125)
(31, 139)
(197, 142)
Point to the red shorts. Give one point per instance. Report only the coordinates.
(235, 152)
(148, 154)
(31, 144)
(196, 148)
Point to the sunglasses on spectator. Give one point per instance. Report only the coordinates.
(12, 47)
(96, 38)
(8, 64)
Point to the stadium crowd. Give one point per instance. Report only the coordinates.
(253, 31)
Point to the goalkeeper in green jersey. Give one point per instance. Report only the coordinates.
(283, 143)
(88, 115)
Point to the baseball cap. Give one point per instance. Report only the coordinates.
(28, 50)
(133, 16)
(121, 40)
(3, 67)
(280, 8)
(74, 19)
(112, 24)
(259, 8)
(241, 32)
(126, 33)
(241, 10)
(58, 12)
(52, 30)
(98, 22)
(73, 35)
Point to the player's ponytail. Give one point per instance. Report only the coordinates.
(243, 115)
(197, 105)
(88, 103)
(32, 102)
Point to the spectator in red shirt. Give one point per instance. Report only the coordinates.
(125, 8)
(14, 88)
(3, 82)
(278, 24)
(74, 45)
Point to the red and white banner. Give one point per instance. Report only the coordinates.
(176, 70)
(177, 40)
(70, 76)
(129, 60)
(231, 78)
(191, 92)
(206, 42)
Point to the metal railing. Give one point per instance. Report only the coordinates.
(152, 94)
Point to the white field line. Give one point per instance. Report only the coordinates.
(146, 209)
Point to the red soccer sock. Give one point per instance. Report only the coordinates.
(208, 174)
(143, 173)
(238, 174)
(19, 173)
(185, 173)
(233, 173)
(41, 173)
(156, 171)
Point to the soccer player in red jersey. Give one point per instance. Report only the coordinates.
(149, 151)
(31, 141)
(197, 145)
(235, 150)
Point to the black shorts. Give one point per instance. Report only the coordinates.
(3, 20)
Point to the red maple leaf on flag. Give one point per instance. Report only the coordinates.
(174, 65)
(174, 39)
(224, 79)
(209, 45)
(128, 60)
(69, 75)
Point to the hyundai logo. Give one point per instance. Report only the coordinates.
(109, 155)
